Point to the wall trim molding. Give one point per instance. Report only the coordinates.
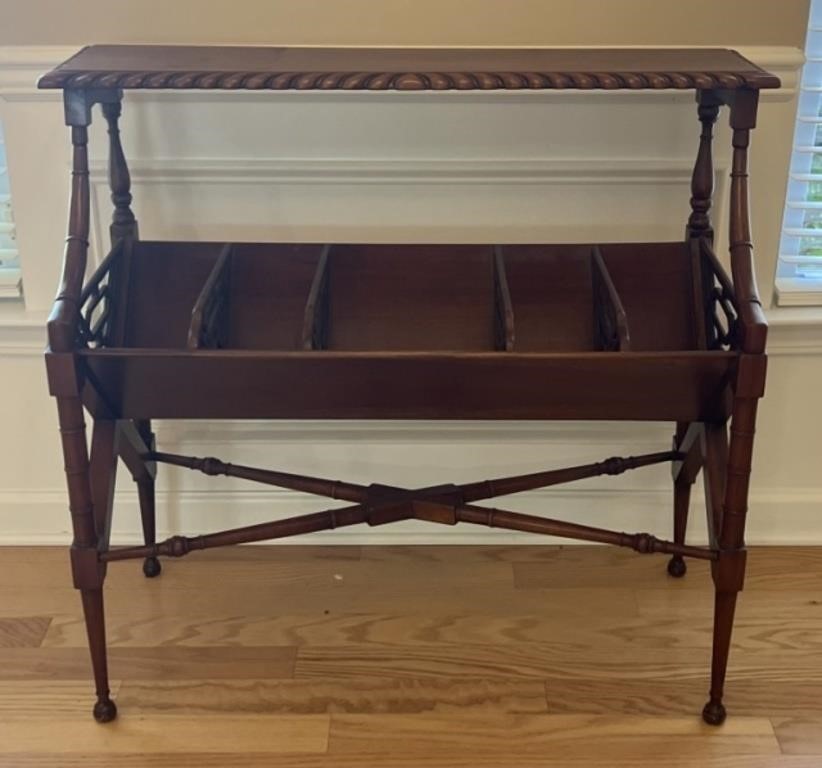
(22, 334)
(326, 170)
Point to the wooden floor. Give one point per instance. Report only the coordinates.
(420, 656)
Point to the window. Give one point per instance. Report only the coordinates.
(9, 263)
(799, 273)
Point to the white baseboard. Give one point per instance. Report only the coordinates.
(778, 516)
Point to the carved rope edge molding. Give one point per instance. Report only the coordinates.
(21, 65)
(407, 81)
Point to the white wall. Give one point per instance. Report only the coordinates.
(424, 167)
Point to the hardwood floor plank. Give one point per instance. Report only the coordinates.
(193, 572)
(769, 569)
(383, 629)
(169, 734)
(23, 632)
(398, 657)
(311, 696)
(774, 606)
(44, 699)
(780, 569)
(149, 663)
(800, 735)
(153, 598)
(588, 630)
(542, 660)
(463, 759)
(580, 735)
(653, 697)
(37, 600)
(599, 567)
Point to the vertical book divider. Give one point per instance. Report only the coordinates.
(611, 332)
(503, 309)
(119, 293)
(209, 318)
(703, 282)
(315, 318)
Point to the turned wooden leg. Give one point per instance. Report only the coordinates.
(686, 442)
(90, 481)
(87, 482)
(682, 500)
(104, 710)
(145, 492)
(729, 569)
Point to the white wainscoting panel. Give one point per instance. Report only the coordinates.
(393, 168)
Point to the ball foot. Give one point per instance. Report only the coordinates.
(104, 710)
(714, 713)
(677, 567)
(151, 567)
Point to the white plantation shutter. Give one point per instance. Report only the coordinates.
(799, 274)
(9, 257)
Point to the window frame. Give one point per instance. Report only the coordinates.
(10, 283)
(798, 279)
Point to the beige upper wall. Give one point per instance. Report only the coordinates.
(406, 22)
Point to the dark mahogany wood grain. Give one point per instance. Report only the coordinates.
(617, 331)
(222, 384)
(427, 297)
(404, 69)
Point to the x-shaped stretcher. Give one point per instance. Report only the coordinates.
(378, 504)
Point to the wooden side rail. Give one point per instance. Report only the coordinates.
(315, 320)
(209, 318)
(503, 310)
(611, 331)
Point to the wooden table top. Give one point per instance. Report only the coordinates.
(404, 69)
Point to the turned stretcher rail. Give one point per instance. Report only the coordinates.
(177, 546)
(332, 489)
(503, 486)
(484, 489)
(643, 543)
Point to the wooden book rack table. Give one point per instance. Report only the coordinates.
(647, 330)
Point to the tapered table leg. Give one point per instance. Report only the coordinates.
(724, 608)
(104, 710)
